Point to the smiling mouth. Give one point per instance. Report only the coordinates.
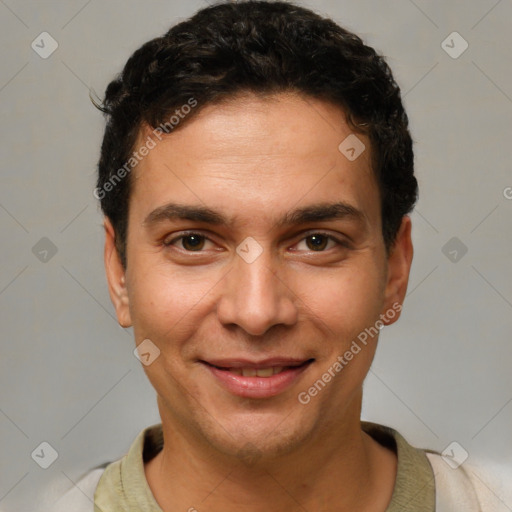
(257, 380)
(267, 371)
(254, 370)
(257, 372)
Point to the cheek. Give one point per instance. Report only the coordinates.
(166, 306)
(347, 299)
(346, 306)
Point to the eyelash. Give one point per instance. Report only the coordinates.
(190, 233)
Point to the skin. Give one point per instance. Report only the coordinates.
(254, 159)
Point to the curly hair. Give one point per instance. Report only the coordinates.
(265, 48)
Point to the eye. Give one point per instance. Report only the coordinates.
(319, 242)
(192, 242)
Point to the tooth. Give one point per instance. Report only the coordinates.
(257, 372)
(265, 372)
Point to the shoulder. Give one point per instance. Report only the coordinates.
(107, 479)
(479, 486)
(80, 498)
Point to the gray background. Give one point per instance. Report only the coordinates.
(68, 375)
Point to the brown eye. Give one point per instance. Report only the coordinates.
(192, 242)
(317, 242)
(320, 242)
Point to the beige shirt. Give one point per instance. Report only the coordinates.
(123, 484)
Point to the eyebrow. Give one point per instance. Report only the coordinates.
(312, 213)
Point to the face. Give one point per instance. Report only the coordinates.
(255, 260)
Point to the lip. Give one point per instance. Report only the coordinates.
(264, 363)
(257, 387)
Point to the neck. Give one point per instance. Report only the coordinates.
(344, 469)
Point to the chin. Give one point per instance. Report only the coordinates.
(255, 437)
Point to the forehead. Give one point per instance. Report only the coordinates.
(263, 156)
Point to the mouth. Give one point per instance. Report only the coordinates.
(252, 379)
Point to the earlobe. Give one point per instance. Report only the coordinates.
(116, 277)
(399, 266)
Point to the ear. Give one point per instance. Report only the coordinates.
(116, 277)
(399, 266)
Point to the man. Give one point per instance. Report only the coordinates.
(256, 176)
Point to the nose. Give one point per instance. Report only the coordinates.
(255, 296)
